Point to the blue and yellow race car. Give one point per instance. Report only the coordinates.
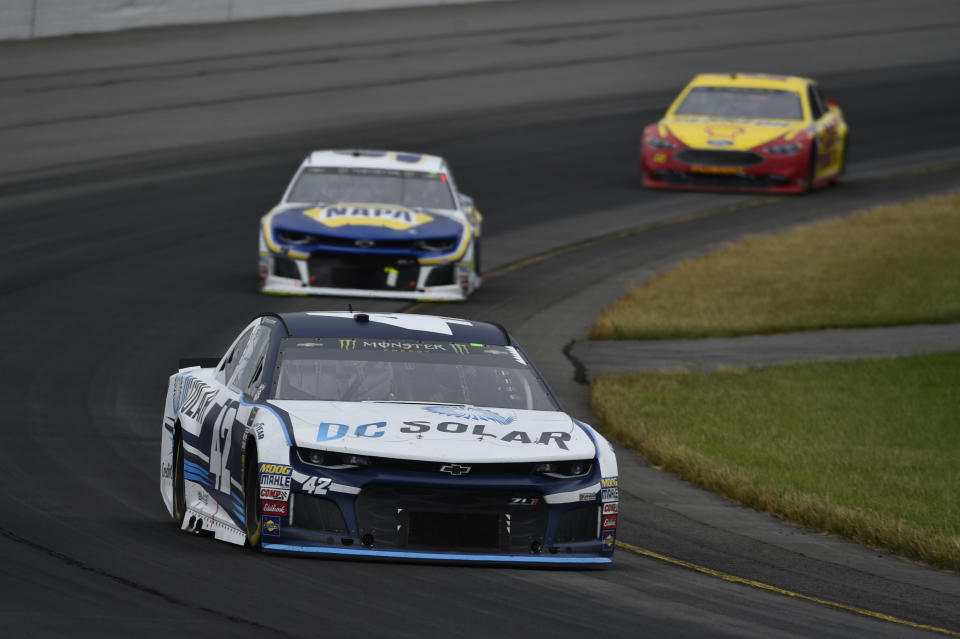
(372, 224)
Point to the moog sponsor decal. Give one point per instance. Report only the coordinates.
(275, 476)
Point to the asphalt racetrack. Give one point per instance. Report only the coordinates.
(135, 167)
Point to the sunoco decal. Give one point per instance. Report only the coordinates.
(271, 525)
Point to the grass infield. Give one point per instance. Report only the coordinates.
(887, 266)
(866, 450)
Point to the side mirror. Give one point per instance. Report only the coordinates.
(465, 201)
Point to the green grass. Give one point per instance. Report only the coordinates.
(867, 450)
(889, 266)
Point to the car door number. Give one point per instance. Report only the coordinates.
(220, 449)
(317, 485)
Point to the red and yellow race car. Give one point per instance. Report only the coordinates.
(746, 132)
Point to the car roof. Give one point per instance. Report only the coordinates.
(752, 80)
(371, 159)
(409, 326)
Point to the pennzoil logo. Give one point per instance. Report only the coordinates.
(348, 344)
(608, 482)
(397, 218)
(275, 469)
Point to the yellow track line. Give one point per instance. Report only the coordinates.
(781, 591)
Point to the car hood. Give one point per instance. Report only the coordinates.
(367, 221)
(738, 134)
(437, 432)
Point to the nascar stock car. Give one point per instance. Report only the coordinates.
(747, 132)
(393, 436)
(372, 224)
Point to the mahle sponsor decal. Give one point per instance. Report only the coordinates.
(398, 218)
(270, 480)
(610, 494)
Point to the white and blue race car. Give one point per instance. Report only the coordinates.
(372, 224)
(377, 435)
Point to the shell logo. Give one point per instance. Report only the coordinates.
(724, 130)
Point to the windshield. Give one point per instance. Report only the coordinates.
(406, 188)
(738, 102)
(355, 370)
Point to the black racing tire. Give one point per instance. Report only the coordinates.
(179, 486)
(251, 498)
(811, 167)
(476, 255)
(846, 153)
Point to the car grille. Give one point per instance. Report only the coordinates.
(721, 181)
(316, 513)
(706, 157)
(405, 244)
(579, 524)
(451, 518)
(285, 267)
(373, 272)
(415, 466)
(441, 275)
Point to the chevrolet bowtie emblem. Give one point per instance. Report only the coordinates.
(455, 469)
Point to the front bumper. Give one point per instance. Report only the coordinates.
(519, 519)
(775, 174)
(387, 277)
(437, 556)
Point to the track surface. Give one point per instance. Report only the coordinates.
(136, 167)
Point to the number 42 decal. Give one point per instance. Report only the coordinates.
(317, 485)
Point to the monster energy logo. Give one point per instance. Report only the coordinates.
(348, 344)
(460, 349)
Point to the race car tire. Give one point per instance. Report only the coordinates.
(476, 256)
(811, 167)
(179, 500)
(846, 153)
(251, 498)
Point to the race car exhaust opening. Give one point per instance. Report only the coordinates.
(536, 547)
(367, 540)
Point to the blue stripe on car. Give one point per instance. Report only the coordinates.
(397, 554)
